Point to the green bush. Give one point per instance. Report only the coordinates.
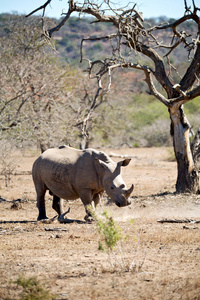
(33, 289)
(109, 231)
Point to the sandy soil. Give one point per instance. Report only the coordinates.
(156, 261)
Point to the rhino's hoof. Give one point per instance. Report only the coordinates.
(42, 218)
(89, 219)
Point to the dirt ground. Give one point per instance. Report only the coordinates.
(156, 261)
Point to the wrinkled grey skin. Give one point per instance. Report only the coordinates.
(69, 174)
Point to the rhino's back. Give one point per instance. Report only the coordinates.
(70, 158)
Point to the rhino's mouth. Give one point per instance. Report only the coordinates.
(123, 203)
(118, 203)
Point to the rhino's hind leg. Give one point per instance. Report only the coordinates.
(58, 205)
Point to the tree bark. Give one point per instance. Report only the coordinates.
(195, 147)
(187, 177)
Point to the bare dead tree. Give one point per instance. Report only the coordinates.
(131, 32)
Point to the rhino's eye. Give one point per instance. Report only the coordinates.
(112, 187)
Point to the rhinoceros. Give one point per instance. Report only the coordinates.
(70, 174)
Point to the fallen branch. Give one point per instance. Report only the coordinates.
(56, 229)
(61, 217)
(187, 227)
(178, 221)
(111, 154)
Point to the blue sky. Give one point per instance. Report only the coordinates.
(150, 8)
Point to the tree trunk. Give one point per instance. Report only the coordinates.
(187, 177)
(84, 143)
(195, 147)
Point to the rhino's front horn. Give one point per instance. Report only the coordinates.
(129, 191)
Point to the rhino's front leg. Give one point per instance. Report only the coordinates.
(86, 198)
(97, 198)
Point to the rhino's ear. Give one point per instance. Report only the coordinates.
(124, 162)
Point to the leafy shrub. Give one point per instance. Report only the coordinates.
(32, 289)
(109, 231)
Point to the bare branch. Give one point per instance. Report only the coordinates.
(91, 109)
(84, 10)
(186, 97)
(192, 72)
(56, 28)
(39, 8)
(147, 71)
(107, 37)
(7, 102)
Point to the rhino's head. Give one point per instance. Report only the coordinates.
(113, 183)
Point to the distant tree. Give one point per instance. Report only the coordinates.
(136, 45)
(42, 99)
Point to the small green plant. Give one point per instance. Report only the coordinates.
(109, 231)
(33, 289)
